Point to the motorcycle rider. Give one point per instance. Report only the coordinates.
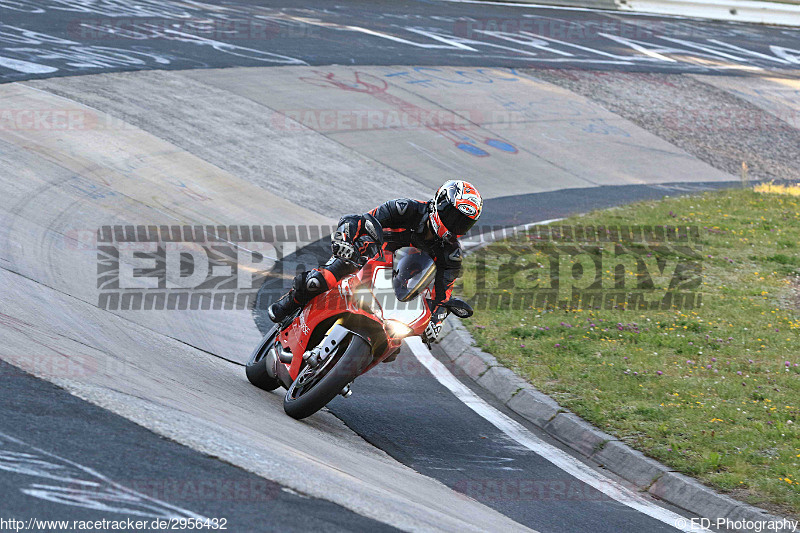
(433, 227)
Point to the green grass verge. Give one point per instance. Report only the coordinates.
(713, 392)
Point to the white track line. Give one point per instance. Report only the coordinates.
(557, 457)
(25, 66)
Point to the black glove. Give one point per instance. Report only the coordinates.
(343, 248)
(431, 333)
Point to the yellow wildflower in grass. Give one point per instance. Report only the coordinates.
(771, 188)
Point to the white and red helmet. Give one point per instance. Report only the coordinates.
(455, 209)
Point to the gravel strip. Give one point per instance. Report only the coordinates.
(715, 126)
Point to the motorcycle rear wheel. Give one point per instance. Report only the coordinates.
(256, 367)
(314, 388)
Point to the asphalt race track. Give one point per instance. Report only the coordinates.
(290, 114)
(129, 471)
(75, 37)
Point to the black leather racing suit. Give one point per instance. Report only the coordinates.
(405, 223)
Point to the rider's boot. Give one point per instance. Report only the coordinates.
(305, 286)
(284, 307)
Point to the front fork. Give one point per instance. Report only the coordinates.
(282, 357)
(333, 338)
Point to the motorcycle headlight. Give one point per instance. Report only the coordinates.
(397, 329)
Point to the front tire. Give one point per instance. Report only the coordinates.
(256, 367)
(339, 371)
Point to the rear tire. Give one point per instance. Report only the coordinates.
(256, 367)
(341, 371)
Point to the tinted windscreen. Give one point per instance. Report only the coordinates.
(413, 271)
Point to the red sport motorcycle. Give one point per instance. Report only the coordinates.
(318, 352)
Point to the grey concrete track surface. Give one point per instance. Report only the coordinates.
(164, 370)
(248, 147)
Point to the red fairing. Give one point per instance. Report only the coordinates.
(338, 301)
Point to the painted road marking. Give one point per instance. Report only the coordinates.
(71, 483)
(451, 37)
(25, 66)
(557, 457)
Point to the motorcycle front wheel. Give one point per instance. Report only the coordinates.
(315, 387)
